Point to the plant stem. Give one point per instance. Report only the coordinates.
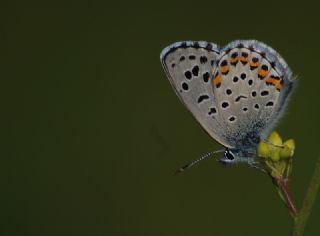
(301, 219)
(283, 183)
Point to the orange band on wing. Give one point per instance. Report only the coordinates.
(216, 81)
(254, 64)
(224, 69)
(234, 60)
(262, 73)
(243, 59)
(275, 82)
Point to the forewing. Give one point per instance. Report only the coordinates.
(189, 67)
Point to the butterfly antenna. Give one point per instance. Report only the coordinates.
(185, 167)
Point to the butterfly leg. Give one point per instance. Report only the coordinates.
(256, 164)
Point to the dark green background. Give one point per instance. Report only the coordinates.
(92, 131)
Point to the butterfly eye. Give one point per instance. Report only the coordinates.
(229, 155)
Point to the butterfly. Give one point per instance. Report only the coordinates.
(236, 92)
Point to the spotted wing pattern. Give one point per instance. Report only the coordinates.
(189, 67)
(251, 83)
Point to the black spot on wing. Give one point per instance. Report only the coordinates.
(269, 104)
(185, 86)
(203, 59)
(202, 98)
(183, 45)
(195, 70)
(224, 104)
(239, 97)
(235, 79)
(209, 46)
(244, 54)
(232, 118)
(234, 55)
(212, 111)
(228, 91)
(196, 45)
(188, 74)
(206, 77)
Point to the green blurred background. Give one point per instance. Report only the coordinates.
(92, 131)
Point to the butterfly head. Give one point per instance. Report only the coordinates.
(233, 156)
(228, 158)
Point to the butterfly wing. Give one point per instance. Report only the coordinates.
(251, 85)
(189, 67)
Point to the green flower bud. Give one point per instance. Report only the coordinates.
(275, 155)
(288, 149)
(290, 143)
(263, 150)
(275, 138)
